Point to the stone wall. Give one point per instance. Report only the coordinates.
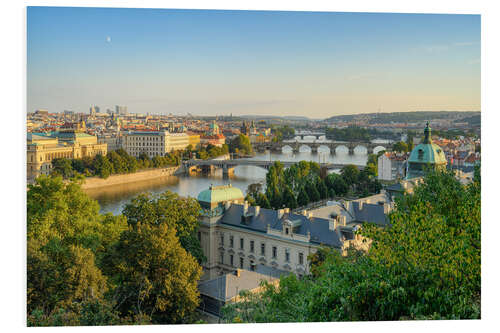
(96, 182)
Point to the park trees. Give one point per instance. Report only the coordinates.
(170, 209)
(63, 167)
(241, 145)
(65, 236)
(155, 276)
(84, 268)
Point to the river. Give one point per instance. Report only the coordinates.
(113, 198)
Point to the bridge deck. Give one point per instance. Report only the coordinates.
(263, 164)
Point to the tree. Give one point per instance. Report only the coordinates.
(337, 184)
(322, 189)
(66, 240)
(303, 198)
(170, 209)
(63, 167)
(60, 274)
(350, 174)
(263, 201)
(289, 199)
(119, 165)
(312, 192)
(102, 166)
(155, 275)
(400, 147)
(241, 145)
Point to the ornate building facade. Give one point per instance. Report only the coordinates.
(69, 142)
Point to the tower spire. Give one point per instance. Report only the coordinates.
(427, 133)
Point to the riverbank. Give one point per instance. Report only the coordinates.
(96, 182)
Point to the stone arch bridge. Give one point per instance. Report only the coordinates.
(332, 146)
(228, 165)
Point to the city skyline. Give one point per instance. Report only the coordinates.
(207, 62)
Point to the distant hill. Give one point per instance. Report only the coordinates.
(401, 117)
(296, 118)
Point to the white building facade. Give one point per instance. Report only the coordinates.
(153, 143)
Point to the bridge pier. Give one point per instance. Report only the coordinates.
(369, 150)
(227, 171)
(351, 150)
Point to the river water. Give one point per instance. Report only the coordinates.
(113, 198)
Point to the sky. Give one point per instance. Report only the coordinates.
(213, 62)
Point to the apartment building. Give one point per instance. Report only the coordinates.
(391, 166)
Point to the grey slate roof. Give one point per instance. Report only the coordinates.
(228, 286)
(370, 213)
(318, 227)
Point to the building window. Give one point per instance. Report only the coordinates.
(252, 246)
(301, 258)
(222, 239)
(231, 260)
(241, 262)
(222, 257)
(231, 241)
(199, 236)
(287, 255)
(262, 249)
(242, 243)
(286, 231)
(275, 251)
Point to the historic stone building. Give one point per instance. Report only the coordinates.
(425, 155)
(68, 142)
(155, 143)
(236, 235)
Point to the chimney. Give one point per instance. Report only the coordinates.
(280, 213)
(245, 208)
(287, 210)
(309, 215)
(257, 210)
(387, 208)
(304, 212)
(360, 205)
(237, 272)
(227, 204)
(332, 224)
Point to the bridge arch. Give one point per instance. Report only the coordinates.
(360, 148)
(378, 149)
(324, 147)
(344, 148)
(286, 147)
(304, 145)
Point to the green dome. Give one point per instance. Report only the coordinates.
(427, 153)
(217, 194)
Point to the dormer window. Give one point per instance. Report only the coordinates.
(420, 154)
(287, 231)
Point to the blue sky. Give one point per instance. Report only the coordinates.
(209, 62)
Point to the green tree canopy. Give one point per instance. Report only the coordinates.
(155, 275)
(170, 209)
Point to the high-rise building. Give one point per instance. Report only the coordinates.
(121, 110)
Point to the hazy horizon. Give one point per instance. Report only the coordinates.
(217, 62)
